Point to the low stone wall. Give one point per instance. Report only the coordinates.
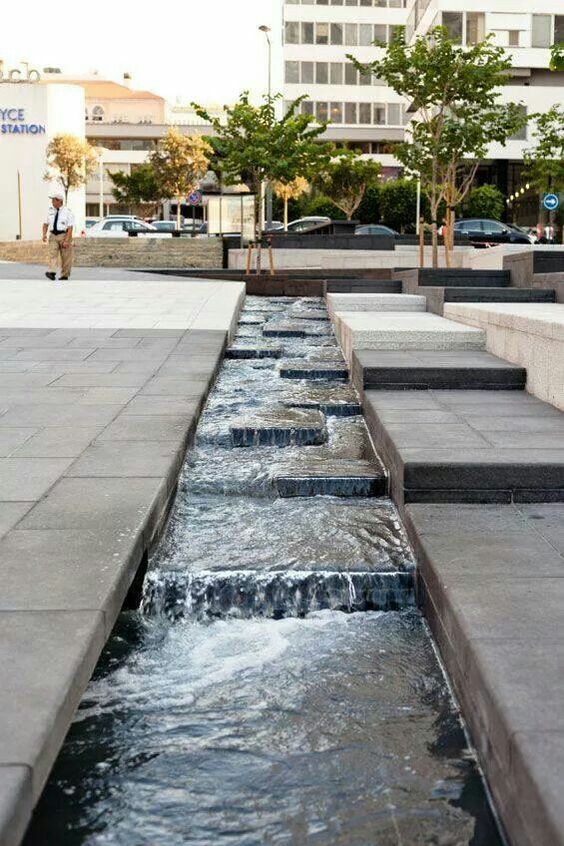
(125, 252)
(347, 259)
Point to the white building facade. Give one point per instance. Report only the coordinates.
(31, 114)
(360, 110)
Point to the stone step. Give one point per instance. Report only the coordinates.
(499, 295)
(296, 329)
(309, 314)
(315, 370)
(468, 446)
(375, 302)
(359, 286)
(241, 351)
(462, 278)
(280, 427)
(333, 478)
(421, 370)
(403, 331)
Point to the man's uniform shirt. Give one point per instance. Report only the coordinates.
(59, 220)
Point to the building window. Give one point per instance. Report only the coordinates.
(336, 73)
(97, 113)
(350, 113)
(307, 107)
(365, 112)
(292, 32)
(351, 35)
(475, 27)
(336, 112)
(394, 114)
(322, 33)
(381, 33)
(541, 31)
(559, 29)
(351, 74)
(307, 73)
(365, 79)
(452, 21)
(379, 113)
(321, 73)
(365, 35)
(292, 72)
(336, 33)
(321, 112)
(513, 37)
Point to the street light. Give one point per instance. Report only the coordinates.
(100, 153)
(266, 29)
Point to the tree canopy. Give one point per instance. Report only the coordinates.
(140, 186)
(179, 163)
(545, 161)
(344, 179)
(70, 160)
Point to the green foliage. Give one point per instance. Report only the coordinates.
(252, 144)
(70, 160)
(398, 204)
(557, 57)
(323, 207)
(138, 187)
(369, 209)
(545, 161)
(453, 92)
(485, 201)
(345, 178)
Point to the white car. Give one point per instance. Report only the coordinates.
(121, 227)
(303, 224)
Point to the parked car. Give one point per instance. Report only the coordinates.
(375, 229)
(120, 227)
(90, 221)
(303, 224)
(481, 230)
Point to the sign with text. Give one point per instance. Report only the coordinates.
(13, 121)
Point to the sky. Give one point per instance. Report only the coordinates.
(203, 50)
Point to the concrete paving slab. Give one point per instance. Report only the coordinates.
(118, 458)
(28, 479)
(46, 660)
(169, 427)
(11, 513)
(15, 802)
(57, 442)
(490, 580)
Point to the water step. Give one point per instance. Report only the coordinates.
(337, 399)
(280, 427)
(243, 351)
(333, 478)
(309, 314)
(435, 369)
(290, 329)
(244, 594)
(247, 320)
(330, 408)
(499, 295)
(314, 370)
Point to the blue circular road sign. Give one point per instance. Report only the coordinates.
(551, 202)
(195, 198)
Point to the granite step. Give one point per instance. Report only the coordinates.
(368, 302)
(435, 369)
(364, 286)
(468, 446)
(498, 295)
(243, 351)
(462, 278)
(280, 427)
(333, 478)
(327, 370)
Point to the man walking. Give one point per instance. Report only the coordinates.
(58, 229)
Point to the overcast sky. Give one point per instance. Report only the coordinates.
(204, 50)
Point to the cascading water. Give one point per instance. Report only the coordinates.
(278, 685)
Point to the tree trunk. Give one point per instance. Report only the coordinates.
(435, 245)
(285, 214)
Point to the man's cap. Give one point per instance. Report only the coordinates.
(56, 195)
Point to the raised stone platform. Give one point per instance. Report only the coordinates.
(374, 302)
(403, 331)
(94, 422)
(468, 446)
(423, 370)
(490, 580)
(531, 335)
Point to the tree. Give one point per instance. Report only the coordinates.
(178, 164)
(290, 191)
(453, 93)
(369, 209)
(70, 160)
(251, 144)
(140, 186)
(545, 161)
(398, 204)
(485, 201)
(345, 178)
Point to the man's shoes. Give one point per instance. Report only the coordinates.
(51, 276)
(63, 278)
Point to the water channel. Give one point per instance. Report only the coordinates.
(277, 685)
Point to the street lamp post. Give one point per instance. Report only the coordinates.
(100, 151)
(266, 30)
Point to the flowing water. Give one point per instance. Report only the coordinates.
(277, 685)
